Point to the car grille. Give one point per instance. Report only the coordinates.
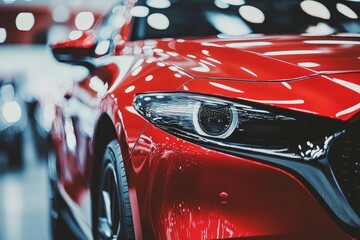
(344, 158)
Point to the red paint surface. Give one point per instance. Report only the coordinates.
(176, 187)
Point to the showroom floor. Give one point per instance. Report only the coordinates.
(24, 199)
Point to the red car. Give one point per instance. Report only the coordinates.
(217, 119)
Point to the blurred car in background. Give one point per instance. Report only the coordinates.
(26, 28)
(30, 83)
(13, 119)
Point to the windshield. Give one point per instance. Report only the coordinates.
(201, 18)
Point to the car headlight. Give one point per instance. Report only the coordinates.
(236, 126)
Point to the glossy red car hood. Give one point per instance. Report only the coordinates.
(261, 58)
(335, 96)
(317, 75)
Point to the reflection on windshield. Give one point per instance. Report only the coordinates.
(185, 18)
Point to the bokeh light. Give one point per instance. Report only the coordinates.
(84, 20)
(25, 21)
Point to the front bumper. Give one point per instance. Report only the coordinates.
(185, 191)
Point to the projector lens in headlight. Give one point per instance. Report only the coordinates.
(214, 120)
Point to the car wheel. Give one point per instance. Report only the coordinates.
(111, 210)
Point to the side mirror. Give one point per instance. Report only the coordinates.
(80, 51)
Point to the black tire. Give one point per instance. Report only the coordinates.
(112, 217)
(15, 153)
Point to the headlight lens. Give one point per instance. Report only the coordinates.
(214, 120)
(237, 126)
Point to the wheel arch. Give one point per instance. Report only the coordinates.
(104, 132)
(107, 130)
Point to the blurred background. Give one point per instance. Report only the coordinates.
(29, 76)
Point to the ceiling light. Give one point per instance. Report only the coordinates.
(60, 14)
(84, 20)
(139, 11)
(221, 4)
(158, 3)
(234, 2)
(315, 9)
(3, 35)
(25, 21)
(252, 14)
(346, 11)
(158, 21)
